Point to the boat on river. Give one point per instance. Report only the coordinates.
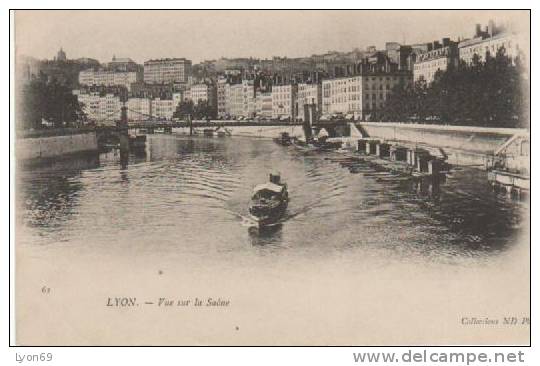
(223, 132)
(283, 139)
(315, 145)
(269, 202)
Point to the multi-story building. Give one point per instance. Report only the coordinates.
(122, 64)
(249, 97)
(489, 42)
(309, 94)
(223, 96)
(360, 95)
(439, 57)
(241, 99)
(100, 108)
(263, 104)
(163, 91)
(284, 101)
(166, 71)
(108, 78)
(203, 93)
(342, 95)
(162, 108)
(139, 109)
(236, 100)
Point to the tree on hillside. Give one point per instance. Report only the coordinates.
(203, 110)
(489, 93)
(184, 109)
(49, 100)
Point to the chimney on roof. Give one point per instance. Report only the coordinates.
(478, 31)
(446, 42)
(429, 47)
(436, 45)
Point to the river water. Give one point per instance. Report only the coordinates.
(180, 208)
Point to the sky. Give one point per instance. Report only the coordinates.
(206, 35)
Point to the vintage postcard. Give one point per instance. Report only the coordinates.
(294, 178)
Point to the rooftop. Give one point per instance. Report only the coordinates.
(122, 60)
(168, 59)
(476, 40)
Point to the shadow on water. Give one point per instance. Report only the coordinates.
(181, 184)
(460, 206)
(124, 159)
(69, 163)
(49, 189)
(479, 218)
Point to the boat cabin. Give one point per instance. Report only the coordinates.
(270, 190)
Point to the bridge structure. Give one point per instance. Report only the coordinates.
(156, 124)
(118, 131)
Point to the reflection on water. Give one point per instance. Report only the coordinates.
(188, 197)
(265, 235)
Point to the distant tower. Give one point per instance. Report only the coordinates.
(61, 55)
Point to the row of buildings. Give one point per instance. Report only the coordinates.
(357, 95)
(126, 72)
(106, 108)
(152, 91)
(359, 85)
(247, 99)
(439, 56)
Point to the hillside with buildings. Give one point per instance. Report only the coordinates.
(355, 85)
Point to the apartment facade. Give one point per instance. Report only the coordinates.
(236, 100)
(167, 71)
(203, 93)
(162, 108)
(482, 46)
(223, 96)
(263, 104)
(489, 41)
(284, 101)
(439, 57)
(108, 78)
(100, 108)
(360, 95)
(241, 100)
(309, 94)
(342, 95)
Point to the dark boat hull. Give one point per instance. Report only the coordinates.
(282, 142)
(272, 217)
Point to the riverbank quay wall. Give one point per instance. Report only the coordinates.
(257, 131)
(473, 146)
(47, 144)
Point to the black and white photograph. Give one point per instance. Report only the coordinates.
(271, 177)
